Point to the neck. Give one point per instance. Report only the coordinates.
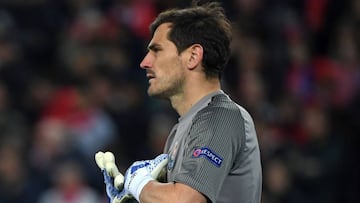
(192, 94)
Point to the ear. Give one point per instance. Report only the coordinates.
(196, 52)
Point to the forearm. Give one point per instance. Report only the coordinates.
(170, 192)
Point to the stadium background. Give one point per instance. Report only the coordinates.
(70, 85)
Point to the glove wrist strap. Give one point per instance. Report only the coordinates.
(141, 185)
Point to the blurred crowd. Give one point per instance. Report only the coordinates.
(70, 85)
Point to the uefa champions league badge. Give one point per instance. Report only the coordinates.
(172, 156)
(208, 154)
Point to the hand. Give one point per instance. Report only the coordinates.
(141, 172)
(113, 179)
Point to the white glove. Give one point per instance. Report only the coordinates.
(141, 172)
(113, 179)
(106, 162)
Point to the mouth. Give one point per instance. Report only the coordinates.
(150, 77)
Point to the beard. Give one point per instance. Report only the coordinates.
(167, 88)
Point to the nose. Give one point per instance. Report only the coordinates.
(146, 62)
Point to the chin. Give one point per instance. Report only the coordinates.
(157, 94)
(152, 93)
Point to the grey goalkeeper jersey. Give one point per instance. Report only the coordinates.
(214, 149)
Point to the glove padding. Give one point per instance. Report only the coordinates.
(114, 180)
(141, 172)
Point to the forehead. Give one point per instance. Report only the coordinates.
(161, 34)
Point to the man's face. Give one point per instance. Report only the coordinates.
(163, 65)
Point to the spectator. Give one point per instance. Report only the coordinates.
(69, 185)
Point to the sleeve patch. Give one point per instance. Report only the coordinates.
(209, 155)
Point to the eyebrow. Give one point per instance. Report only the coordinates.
(154, 46)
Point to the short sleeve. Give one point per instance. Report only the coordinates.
(212, 145)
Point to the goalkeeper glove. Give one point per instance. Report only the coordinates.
(113, 179)
(141, 172)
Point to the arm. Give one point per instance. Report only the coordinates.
(170, 192)
(140, 182)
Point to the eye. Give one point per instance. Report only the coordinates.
(155, 48)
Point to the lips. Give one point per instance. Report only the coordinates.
(150, 75)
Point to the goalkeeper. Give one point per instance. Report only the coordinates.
(212, 153)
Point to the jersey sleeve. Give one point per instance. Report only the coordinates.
(213, 143)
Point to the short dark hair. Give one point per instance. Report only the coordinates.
(204, 24)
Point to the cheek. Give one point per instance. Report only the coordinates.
(170, 65)
(169, 74)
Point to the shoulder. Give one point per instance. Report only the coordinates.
(222, 109)
(222, 116)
